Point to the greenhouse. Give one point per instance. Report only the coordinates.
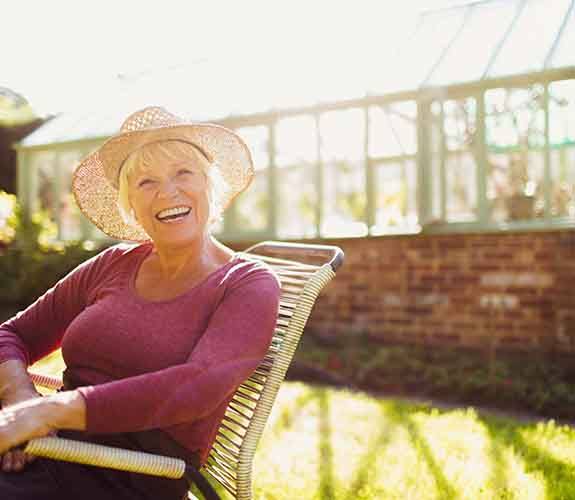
(471, 128)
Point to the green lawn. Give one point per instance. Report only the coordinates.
(333, 444)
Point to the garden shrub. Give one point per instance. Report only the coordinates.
(530, 381)
(30, 260)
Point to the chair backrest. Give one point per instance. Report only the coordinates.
(231, 457)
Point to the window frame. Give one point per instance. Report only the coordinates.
(27, 184)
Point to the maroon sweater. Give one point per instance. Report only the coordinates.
(173, 364)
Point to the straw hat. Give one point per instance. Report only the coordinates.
(95, 182)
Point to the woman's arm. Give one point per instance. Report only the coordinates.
(15, 384)
(38, 417)
(38, 330)
(66, 410)
(29, 336)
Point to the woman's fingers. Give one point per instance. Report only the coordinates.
(18, 460)
(15, 460)
(7, 461)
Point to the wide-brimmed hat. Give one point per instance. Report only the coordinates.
(95, 182)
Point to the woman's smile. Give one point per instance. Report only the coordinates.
(174, 214)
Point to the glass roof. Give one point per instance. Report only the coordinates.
(486, 39)
(532, 37)
(565, 52)
(433, 35)
(466, 43)
(469, 56)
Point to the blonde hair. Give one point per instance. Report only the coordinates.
(171, 150)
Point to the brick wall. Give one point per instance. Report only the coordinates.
(565, 293)
(501, 291)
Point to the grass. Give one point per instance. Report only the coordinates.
(333, 444)
(330, 444)
(50, 365)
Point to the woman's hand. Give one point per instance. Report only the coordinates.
(15, 460)
(38, 417)
(19, 395)
(21, 422)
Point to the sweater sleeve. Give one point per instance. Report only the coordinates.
(38, 330)
(235, 342)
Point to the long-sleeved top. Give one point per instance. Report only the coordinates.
(171, 365)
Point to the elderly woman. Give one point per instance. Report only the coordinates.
(156, 335)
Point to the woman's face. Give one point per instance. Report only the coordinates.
(169, 194)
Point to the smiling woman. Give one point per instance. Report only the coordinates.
(188, 162)
(156, 335)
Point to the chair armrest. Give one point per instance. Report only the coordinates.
(47, 381)
(299, 251)
(106, 456)
(117, 458)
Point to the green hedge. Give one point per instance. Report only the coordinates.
(29, 262)
(533, 382)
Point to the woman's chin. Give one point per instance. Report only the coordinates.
(174, 232)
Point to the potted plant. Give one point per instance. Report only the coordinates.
(520, 199)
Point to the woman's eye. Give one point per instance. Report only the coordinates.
(145, 182)
(185, 171)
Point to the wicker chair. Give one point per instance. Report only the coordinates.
(303, 270)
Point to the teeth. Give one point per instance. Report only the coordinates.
(171, 212)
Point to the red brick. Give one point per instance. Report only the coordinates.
(407, 268)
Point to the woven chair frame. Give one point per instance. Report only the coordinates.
(231, 457)
(230, 461)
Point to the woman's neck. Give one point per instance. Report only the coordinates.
(193, 258)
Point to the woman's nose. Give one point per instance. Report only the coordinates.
(167, 189)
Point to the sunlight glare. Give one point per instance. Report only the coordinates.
(261, 54)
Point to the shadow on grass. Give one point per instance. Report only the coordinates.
(368, 462)
(499, 478)
(399, 414)
(290, 413)
(556, 473)
(394, 415)
(325, 447)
